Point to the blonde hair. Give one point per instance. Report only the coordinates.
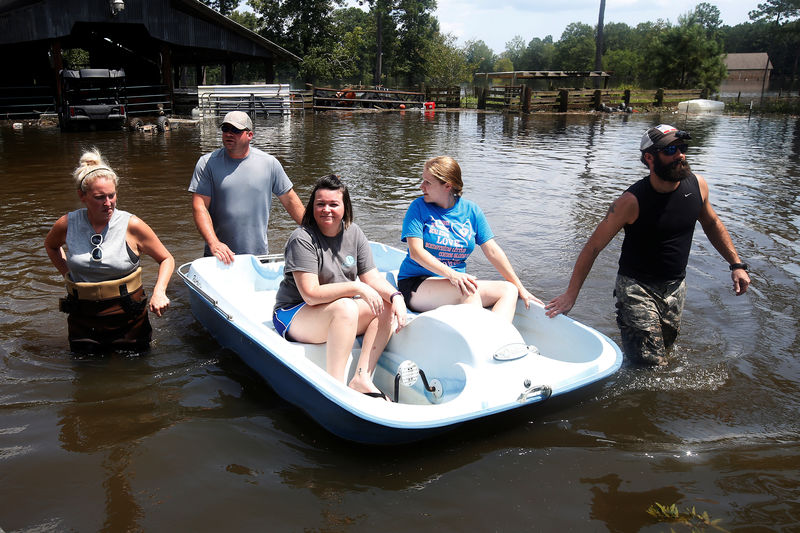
(91, 166)
(446, 169)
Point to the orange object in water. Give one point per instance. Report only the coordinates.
(402, 106)
(430, 105)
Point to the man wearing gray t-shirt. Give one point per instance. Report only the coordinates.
(232, 190)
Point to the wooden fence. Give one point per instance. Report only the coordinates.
(444, 96)
(369, 98)
(519, 98)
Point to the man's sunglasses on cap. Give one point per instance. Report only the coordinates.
(227, 128)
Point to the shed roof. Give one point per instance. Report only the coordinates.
(751, 61)
(184, 23)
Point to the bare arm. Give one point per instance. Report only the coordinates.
(145, 241)
(314, 293)
(293, 205)
(377, 281)
(497, 257)
(624, 210)
(202, 219)
(54, 242)
(721, 240)
(465, 282)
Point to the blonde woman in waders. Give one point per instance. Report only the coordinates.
(97, 250)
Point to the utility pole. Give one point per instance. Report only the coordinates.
(598, 46)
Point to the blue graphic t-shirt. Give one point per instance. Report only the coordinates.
(449, 235)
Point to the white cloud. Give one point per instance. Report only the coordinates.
(497, 21)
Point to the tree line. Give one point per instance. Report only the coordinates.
(398, 43)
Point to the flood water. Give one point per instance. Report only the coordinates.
(186, 438)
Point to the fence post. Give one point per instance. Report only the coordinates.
(526, 100)
(598, 99)
(563, 100)
(627, 98)
(659, 101)
(482, 97)
(704, 93)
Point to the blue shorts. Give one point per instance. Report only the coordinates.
(282, 319)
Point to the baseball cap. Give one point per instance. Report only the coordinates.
(661, 136)
(238, 119)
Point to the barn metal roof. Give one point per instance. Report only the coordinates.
(751, 61)
(188, 24)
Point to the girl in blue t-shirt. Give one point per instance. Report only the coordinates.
(441, 230)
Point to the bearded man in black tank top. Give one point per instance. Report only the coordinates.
(658, 214)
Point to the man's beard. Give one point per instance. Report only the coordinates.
(674, 172)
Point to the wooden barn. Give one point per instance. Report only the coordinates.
(748, 67)
(151, 40)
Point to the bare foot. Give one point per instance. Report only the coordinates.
(365, 386)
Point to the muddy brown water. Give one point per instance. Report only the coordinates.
(186, 438)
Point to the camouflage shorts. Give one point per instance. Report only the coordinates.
(649, 317)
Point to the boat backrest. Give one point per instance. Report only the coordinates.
(391, 277)
(268, 275)
(386, 258)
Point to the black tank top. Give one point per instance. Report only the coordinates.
(656, 246)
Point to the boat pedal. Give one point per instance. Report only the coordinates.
(515, 350)
(408, 373)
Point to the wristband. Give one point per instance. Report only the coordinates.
(737, 266)
(397, 293)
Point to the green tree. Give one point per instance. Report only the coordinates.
(247, 71)
(781, 11)
(503, 64)
(538, 54)
(625, 65)
(383, 13)
(575, 49)
(480, 58)
(225, 7)
(708, 16)
(416, 29)
(687, 55)
(618, 36)
(247, 19)
(355, 20)
(336, 60)
(300, 26)
(75, 58)
(785, 15)
(515, 50)
(445, 63)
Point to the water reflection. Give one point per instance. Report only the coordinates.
(114, 406)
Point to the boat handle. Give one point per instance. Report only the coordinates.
(543, 392)
(201, 292)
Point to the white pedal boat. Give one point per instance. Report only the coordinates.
(473, 364)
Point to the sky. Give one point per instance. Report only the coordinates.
(496, 22)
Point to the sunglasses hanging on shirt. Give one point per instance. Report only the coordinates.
(97, 252)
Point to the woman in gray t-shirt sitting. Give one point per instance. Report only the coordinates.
(332, 291)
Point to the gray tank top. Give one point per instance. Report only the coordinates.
(118, 259)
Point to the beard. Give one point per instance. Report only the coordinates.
(674, 172)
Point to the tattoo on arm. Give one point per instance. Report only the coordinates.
(611, 209)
